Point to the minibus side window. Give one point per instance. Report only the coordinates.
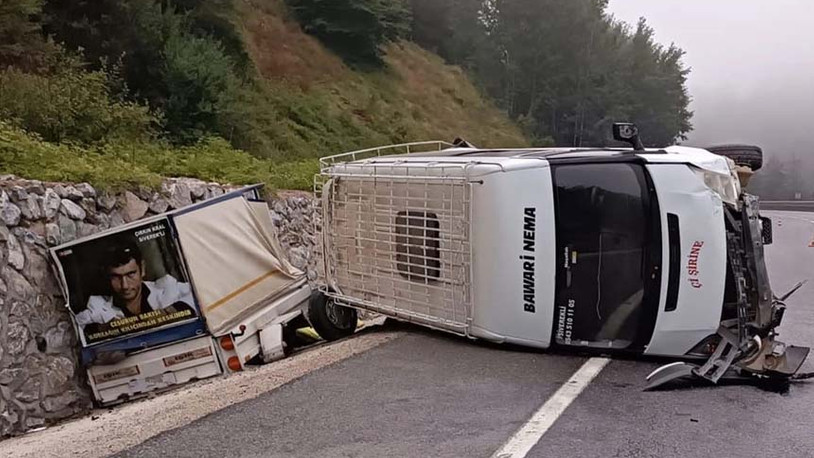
(418, 256)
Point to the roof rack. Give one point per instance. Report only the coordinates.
(402, 148)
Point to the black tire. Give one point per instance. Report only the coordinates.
(331, 321)
(748, 155)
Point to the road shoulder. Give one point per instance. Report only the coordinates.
(110, 431)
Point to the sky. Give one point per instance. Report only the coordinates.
(752, 62)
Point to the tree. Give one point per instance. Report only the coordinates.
(181, 57)
(215, 19)
(71, 104)
(22, 43)
(564, 70)
(431, 25)
(128, 33)
(197, 75)
(354, 29)
(658, 89)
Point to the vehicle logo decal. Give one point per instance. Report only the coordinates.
(692, 264)
(529, 223)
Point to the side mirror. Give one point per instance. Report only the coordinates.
(628, 133)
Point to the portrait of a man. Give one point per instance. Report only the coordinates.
(131, 294)
(125, 283)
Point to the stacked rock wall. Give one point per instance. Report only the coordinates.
(40, 378)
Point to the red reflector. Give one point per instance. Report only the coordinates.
(226, 343)
(234, 363)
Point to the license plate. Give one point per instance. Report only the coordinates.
(187, 356)
(116, 375)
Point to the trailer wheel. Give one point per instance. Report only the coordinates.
(748, 155)
(330, 320)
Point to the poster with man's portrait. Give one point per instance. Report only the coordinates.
(126, 283)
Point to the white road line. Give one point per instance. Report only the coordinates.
(530, 433)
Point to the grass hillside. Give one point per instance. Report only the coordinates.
(414, 97)
(301, 102)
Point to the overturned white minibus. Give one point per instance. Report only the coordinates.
(648, 251)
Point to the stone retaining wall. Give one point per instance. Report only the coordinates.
(40, 380)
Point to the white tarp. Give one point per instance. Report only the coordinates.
(234, 259)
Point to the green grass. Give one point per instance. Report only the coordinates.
(316, 105)
(119, 166)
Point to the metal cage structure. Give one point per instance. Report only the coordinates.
(397, 238)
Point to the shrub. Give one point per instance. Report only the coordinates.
(27, 155)
(72, 105)
(178, 56)
(196, 74)
(128, 164)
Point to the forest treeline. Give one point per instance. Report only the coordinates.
(565, 70)
(159, 80)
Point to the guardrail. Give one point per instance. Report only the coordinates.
(788, 205)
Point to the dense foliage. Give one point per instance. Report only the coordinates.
(121, 91)
(122, 165)
(181, 58)
(22, 43)
(72, 104)
(565, 70)
(354, 29)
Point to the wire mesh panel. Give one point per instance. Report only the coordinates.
(400, 245)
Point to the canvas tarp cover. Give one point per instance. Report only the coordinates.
(234, 259)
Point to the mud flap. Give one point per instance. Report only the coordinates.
(271, 343)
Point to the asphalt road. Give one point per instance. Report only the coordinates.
(429, 394)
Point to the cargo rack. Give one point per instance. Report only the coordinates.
(368, 153)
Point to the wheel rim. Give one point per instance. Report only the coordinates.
(341, 317)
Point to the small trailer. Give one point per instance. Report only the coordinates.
(183, 295)
(609, 250)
